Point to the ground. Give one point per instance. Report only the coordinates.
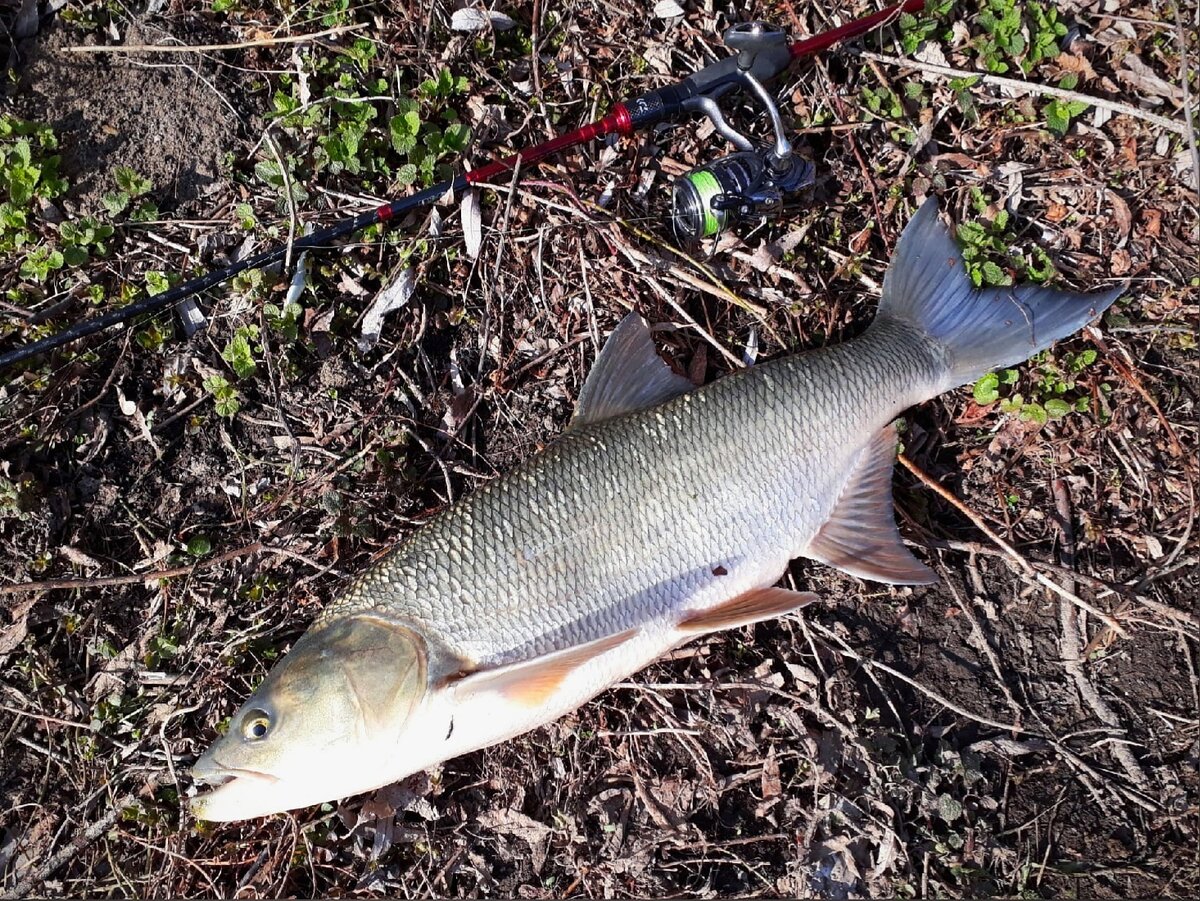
(1027, 727)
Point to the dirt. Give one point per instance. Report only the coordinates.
(891, 742)
(155, 113)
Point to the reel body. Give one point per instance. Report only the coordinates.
(738, 187)
(754, 181)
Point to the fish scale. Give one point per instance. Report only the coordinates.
(661, 513)
(554, 553)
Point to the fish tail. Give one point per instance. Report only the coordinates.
(975, 330)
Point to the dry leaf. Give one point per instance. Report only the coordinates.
(391, 298)
(1057, 212)
(470, 19)
(471, 223)
(1138, 75)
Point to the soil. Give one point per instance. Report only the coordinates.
(890, 742)
(158, 114)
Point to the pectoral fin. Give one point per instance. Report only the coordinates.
(752, 607)
(861, 537)
(532, 683)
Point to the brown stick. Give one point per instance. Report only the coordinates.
(1027, 569)
(1072, 651)
(107, 581)
(198, 48)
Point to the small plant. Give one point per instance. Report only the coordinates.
(1051, 394)
(1059, 113)
(270, 172)
(286, 321)
(239, 353)
(82, 238)
(28, 175)
(961, 87)
(988, 252)
(199, 546)
(1045, 32)
(130, 186)
(420, 140)
(245, 216)
(40, 261)
(914, 31)
(883, 103)
(225, 396)
(156, 282)
(13, 500)
(1004, 35)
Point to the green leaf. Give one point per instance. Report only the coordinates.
(405, 127)
(406, 174)
(269, 171)
(1058, 118)
(245, 216)
(994, 275)
(156, 282)
(1034, 413)
(225, 396)
(199, 546)
(949, 808)
(456, 137)
(239, 354)
(75, 255)
(971, 233)
(987, 389)
(130, 182)
(227, 406)
(1057, 408)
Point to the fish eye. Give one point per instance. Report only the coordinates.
(255, 725)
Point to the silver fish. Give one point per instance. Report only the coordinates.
(662, 513)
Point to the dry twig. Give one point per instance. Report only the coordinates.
(204, 48)
(1026, 568)
(173, 572)
(1025, 87)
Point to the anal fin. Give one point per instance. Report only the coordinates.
(751, 607)
(861, 537)
(532, 683)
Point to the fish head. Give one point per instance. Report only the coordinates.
(322, 725)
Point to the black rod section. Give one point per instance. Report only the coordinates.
(173, 296)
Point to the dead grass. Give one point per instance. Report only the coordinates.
(982, 737)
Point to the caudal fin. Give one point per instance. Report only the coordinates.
(927, 287)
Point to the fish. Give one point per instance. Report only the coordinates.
(664, 511)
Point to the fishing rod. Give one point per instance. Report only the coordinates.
(753, 181)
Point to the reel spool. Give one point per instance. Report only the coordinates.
(754, 181)
(737, 187)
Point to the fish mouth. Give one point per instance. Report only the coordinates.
(235, 793)
(218, 778)
(210, 771)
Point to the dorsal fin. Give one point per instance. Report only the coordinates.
(861, 537)
(628, 375)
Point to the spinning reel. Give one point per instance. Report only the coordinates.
(754, 181)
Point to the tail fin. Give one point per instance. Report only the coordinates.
(927, 287)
